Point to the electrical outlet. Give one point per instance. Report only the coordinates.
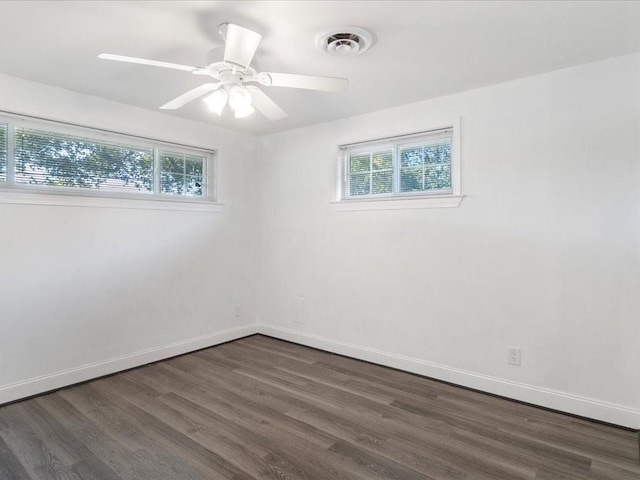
(514, 357)
(236, 310)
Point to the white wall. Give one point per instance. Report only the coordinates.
(85, 291)
(542, 254)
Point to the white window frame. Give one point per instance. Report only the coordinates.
(399, 200)
(12, 193)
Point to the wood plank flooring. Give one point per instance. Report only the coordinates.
(260, 408)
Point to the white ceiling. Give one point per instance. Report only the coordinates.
(421, 50)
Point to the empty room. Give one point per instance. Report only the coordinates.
(313, 240)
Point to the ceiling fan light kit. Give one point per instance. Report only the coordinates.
(234, 74)
(240, 101)
(216, 101)
(238, 97)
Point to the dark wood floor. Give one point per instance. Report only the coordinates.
(263, 408)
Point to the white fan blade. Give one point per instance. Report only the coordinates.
(265, 105)
(190, 96)
(329, 84)
(144, 61)
(241, 45)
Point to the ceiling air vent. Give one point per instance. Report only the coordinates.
(344, 41)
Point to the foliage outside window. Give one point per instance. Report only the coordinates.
(404, 166)
(117, 164)
(181, 174)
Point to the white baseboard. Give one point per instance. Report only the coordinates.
(45, 383)
(557, 400)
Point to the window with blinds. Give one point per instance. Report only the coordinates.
(107, 163)
(401, 166)
(46, 158)
(181, 174)
(3, 152)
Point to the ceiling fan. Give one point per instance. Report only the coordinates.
(234, 76)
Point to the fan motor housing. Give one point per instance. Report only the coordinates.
(345, 41)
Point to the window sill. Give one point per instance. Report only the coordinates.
(398, 203)
(28, 198)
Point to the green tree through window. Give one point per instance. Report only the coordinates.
(43, 158)
(425, 168)
(181, 174)
(400, 166)
(40, 153)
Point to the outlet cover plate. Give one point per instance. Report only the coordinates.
(515, 357)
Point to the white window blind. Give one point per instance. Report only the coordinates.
(46, 156)
(405, 165)
(3, 152)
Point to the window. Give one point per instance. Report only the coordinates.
(405, 166)
(3, 152)
(46, 158)
(370, 173)
(181, 174)
(50, 157)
